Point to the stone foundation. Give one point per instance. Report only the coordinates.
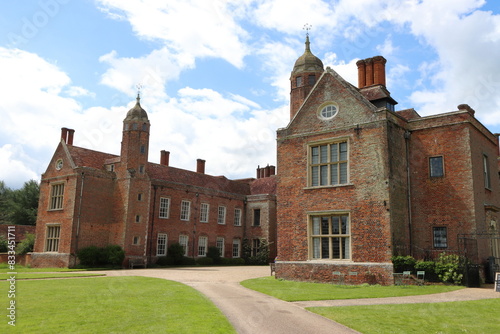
(308, 271)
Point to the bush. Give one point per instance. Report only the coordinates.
(114, 255)
(430, 270)
(109, 255)
(164, 261)
(3, 244)
(175, 254)
(448, 268)
(233, 261)
(205, 261)
(89, 256)
(403, 263)
(214, 254)
(26, 245)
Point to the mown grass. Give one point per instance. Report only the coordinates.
(472, 317)
(301, 291)
(4, 268)
(110, 305)
(28, 275)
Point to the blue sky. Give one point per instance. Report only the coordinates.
(215, 74)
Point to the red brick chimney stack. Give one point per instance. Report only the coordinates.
(200, 166)
(164, 157)
(67, 135)
(371, 71)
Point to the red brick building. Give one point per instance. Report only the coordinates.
(90, 198)
(359, 182)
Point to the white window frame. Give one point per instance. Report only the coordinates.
(164, 210)
(220, 244)
(236, 251)
(52, 238)
(486, 172)
(161, 244)
(237, 217)
(136, 241)
(56, 196)
(202, 246)
(185, 210)
(184, 242)
(221, 215)
(204, 212)
(323, 238)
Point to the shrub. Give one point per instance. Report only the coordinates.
(93, 255)
(214, 254)
(205, 261)
(430, 270)
(448, 268)
(188, 261)
(233, 261)
(26, 245)
(403, 263)
(114, 255)
(89, 256)
(3, 244)
(175, 253)
(164, 261)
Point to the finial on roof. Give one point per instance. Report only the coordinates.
(138, 86)
(307, 27)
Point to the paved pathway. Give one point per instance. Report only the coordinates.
(253, 312)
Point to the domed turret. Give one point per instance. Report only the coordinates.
(308, 62)
(137, 113)
(306, 71)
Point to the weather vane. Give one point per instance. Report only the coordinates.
(138, 86)
(307, 27)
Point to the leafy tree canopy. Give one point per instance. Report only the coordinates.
(19, 207)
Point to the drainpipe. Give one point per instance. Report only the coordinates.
(79, 214)
(407, 136)
(152, 225)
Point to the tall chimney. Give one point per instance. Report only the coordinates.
(258, 172)
(371, 71)
(379, 70)
(361, 73)
(71, 134)
(64, 134)
(200, 166)
(164, 157)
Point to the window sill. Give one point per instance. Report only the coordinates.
(331, 186)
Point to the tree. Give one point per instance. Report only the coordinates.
(4, 197)
(19, 207)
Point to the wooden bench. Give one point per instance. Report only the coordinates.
(136, 263)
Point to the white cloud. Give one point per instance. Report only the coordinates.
(171, 22)
(15, 171)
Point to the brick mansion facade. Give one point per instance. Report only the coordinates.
(356, 182)
(91, 198)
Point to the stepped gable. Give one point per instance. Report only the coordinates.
(265, 185)
(186, 177)
(83, 157)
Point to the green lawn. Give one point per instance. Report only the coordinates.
(110, 305)
(39, 275)
(301, 291)
(4, 268)
(472, 317)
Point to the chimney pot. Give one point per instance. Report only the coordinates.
(64, 134)
(361, 73)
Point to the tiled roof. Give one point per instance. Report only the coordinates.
(182, 176)
(265, 185)
(83, 157)
(408, 114)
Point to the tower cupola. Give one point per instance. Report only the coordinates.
(306, 71)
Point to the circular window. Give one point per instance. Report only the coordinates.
(59, 164)
(328, 111)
